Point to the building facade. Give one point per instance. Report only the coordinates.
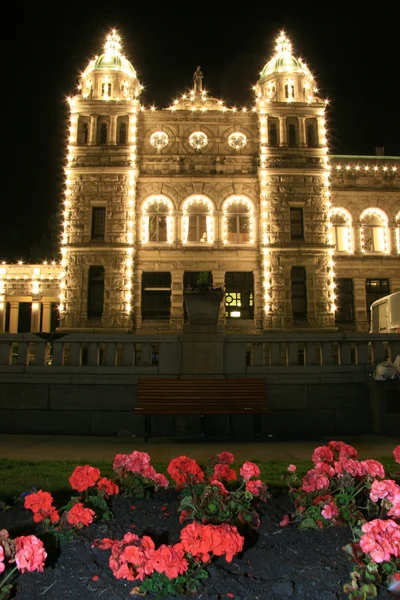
(299, 238)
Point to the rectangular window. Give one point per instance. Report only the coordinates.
(344, 301)
(98, 222)
(299, 293)
(239, 295)
(296, 224)
(156, 295)
(95, 291)
(375, 289)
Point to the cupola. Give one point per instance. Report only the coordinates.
(110, 76)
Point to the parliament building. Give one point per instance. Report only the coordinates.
(297, 237)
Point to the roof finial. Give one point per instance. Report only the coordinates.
(283, 45)
(112, 47)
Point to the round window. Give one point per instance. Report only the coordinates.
(237, 140)
(198, 140)
(159, 140)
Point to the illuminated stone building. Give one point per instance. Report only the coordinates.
(298, 238)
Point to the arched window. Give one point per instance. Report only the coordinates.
(157, 220)
(198, 220)
(238, 220)
(292, 135)
(341, 230)
(95, 291)
(374, 233)
(106, 89)
(311, 136)
(103, 133)
(122, 133)
(273, 134)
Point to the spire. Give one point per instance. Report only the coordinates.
(112, 47)
(283, 46)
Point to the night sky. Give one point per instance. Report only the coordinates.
(351, 51)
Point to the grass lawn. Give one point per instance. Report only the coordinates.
(18, 476)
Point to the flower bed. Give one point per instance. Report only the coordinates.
(215, 530)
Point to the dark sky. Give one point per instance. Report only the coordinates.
(351, 50)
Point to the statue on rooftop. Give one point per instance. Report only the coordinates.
(198, 80)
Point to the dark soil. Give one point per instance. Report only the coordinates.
(276, 562)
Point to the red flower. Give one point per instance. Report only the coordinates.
(226, 458)
(343, 450)
(257, 488)
(224, 472)
(381, 540)
(285, 521)
(170, 560)
(203, 540)
(220, 486)
(396, 454)
(107, 486)
(183, 469)
(84, 477)
(79, 516)
(30, 555)
(373, 468)
(292, 468)
(384, 490)
(249, 470)
(314, 481)
(330, 511)
(322, 454)
(40, 503)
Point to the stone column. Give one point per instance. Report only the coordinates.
(132, 125)
(35, 316)
(14, 310)
(302, 131)
(395, 239)
(282, 131)
(321, 132)
(93, 130)
(113, 129)
(360, 304)
(46, 319)
(357, 236)
(73, 132)
(176, 318)
(2, 315)
(219, 281)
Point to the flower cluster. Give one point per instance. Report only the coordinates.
(136, 557)
(41, 504)
(136, 475)
(80, 516)
(381, 540)
(217, 494)
(26, 552)
(334, 489)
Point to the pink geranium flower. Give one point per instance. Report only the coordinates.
(292, 468)
(249, 470)
(2, 559)
(330, 511)
(30, 554)
(396, 454)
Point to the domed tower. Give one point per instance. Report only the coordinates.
(297, 264)
(98, 242)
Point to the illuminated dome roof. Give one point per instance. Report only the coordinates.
(283, 61)
(112, 59)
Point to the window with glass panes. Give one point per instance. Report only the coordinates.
(157, 215)
(156, 295)
(375, 289)
(344, 301)
(197, 230)
(98, 222)
(239, 295)
(238, 223)
(374, 233)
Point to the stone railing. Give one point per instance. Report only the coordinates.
(241, 353)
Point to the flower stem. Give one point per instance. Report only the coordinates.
(2, 582)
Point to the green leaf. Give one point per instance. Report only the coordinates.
(308, 523)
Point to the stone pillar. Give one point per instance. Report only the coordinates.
(93, 130)
(282, 131)
(132, 124)
(360, 304)
(14, 310)
(395, 239)
(219, 281)
(35, 316)
(302, 132)
(176, 318)
(357, 236)
(113, 129)
(2, 315)
(321, 132)
(46, 319)
(73, 132)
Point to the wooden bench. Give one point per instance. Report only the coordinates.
(161, 396)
